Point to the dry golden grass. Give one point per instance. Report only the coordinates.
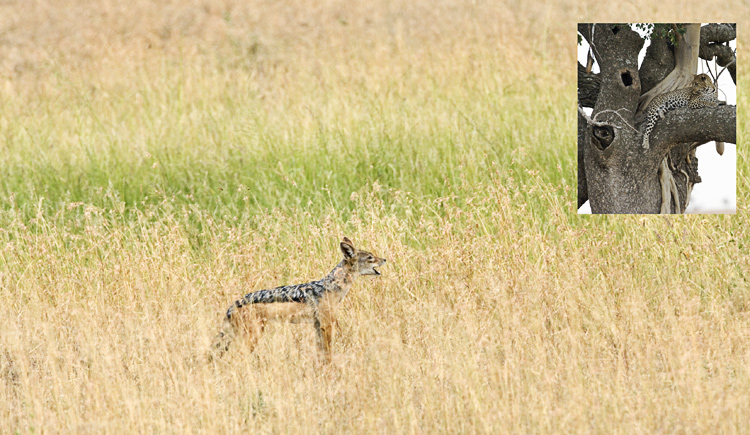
(522, 331)
(499, 311)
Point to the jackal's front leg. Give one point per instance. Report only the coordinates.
(324, 326)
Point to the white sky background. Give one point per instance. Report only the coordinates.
(717, 193)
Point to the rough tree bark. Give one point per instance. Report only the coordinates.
(615, 173)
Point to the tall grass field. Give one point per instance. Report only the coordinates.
(163, 158)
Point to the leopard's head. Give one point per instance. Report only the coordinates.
(702, 81)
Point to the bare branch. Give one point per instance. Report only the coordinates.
(725, 57)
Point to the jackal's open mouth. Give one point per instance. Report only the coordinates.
(376, 271)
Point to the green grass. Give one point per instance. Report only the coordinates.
(129, 150)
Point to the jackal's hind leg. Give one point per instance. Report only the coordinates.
(251, 327)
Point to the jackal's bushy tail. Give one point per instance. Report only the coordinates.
(222, 341)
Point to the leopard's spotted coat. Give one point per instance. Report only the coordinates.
(702, 92)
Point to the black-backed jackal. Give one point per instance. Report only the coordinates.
(314, 302)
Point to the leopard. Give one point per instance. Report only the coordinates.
(702, 92)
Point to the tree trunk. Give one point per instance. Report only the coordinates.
(619, 175)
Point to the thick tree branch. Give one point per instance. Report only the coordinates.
(657, 64)
(695, 125)
(713, 44)
(718, 33)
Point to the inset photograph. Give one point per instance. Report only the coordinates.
(657, 118)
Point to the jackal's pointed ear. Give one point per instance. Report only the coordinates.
(347, 247)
